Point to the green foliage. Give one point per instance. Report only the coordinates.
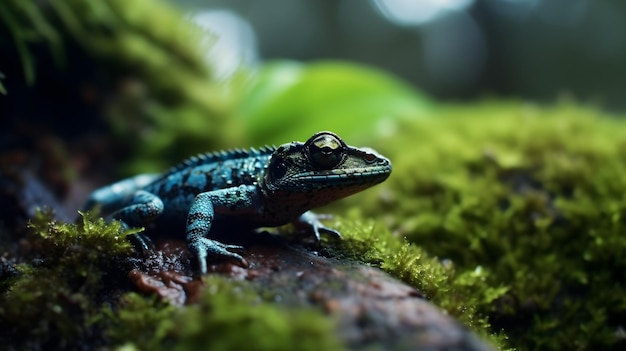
(533, 197)
(142, 61)
(56, 302)
(290, 101)
(229, 316)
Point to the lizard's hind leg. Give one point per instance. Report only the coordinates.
(142, 209)
(126, 202)
(115, 196)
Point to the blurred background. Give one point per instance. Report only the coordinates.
(455, 50)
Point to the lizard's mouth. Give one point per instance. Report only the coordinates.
(337, 178)
(351, 173)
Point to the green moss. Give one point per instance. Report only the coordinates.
(141, 63)
(91, 240)
(56, 302)
(532, 201)
(229, 316)
(139, 321)
(467, 295)
(72, 297)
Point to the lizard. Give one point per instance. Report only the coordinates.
(253, 188)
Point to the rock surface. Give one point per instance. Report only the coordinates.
(373, 309)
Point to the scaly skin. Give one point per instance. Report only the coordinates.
(249, 189)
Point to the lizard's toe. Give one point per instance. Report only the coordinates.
(311, 223)
(318, 229)
(329, 231)
(205, 248)
(142, 243)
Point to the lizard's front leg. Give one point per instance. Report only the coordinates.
(230, 201)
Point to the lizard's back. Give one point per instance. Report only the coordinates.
(179, 186)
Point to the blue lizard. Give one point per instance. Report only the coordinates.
(216, 192)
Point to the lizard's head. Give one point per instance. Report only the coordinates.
(323, 169)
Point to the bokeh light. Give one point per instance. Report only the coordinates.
(233, 41)
(451, 49)
(410, 12)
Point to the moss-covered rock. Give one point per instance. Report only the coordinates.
(229, 316)
(56, 298)
(508, 215)
(529, 199)
(514, 214)
(74, 293)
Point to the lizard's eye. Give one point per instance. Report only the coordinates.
(279, 169)
(325, 150)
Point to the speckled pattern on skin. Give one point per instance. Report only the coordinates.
(250, 188)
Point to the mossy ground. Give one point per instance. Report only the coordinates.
(55, 299)
(510, 216)
(230, 316)
(76, 294)
(527, 203)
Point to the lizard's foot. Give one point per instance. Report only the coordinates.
(317, 228)
(142, 243)
(310, 222)
(203, 248)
